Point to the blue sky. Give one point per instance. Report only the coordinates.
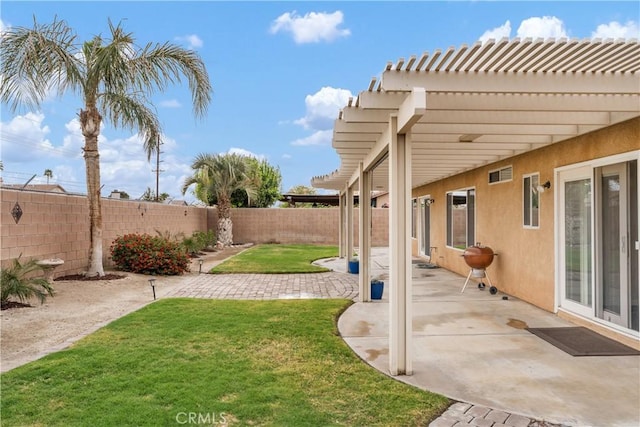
(280, 72)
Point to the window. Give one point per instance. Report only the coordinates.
(531, 200)
(414, 215)
(461, 230)
(501, 175)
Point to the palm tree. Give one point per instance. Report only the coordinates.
(219, 176)
(48, 173)
(115, 79)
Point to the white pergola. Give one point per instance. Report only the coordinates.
(445, 113)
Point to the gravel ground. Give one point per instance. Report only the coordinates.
(80, 308)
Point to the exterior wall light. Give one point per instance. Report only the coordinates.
(543, 187)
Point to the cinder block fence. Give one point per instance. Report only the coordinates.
(55, 225)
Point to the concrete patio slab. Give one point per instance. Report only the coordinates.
(473, 348)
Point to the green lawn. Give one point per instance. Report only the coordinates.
(247, 363)
(278, 259)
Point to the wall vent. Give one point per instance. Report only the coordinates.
(501, 175)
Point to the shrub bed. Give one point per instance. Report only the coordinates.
(145, 254)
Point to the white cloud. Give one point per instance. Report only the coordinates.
(64, 176)
(313, 27)
(323, 108)
(26, 150)
(124, 166)
(3, 26)
(73, 141)
(615, 30)
(321, 137)
(170, 103)
(544, 27)
(247, 153)
(192, 41)
(535, 27)
(24, 139)
(287, 156)
(497, 33)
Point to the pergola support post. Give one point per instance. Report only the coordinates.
(341, 232)
(364, 234)
(400, 295)
(349, 228)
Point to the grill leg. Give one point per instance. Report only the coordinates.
(488, 280)
(467, 281)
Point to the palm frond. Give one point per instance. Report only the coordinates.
(220, 175)
(35, 61)
(132, 112)
(158, 65)
(19, 281)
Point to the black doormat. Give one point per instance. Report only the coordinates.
(580, 341)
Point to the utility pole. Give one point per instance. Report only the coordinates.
(158, 170)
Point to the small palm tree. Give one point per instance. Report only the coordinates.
(20, 281)
(114, 79)
(48, 173)
(219, 176)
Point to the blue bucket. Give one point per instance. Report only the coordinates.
(354, 267)
(377, 288)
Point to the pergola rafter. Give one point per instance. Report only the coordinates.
(502, 97)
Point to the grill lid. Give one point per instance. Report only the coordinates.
(478, 256)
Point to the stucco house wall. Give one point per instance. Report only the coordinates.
(524, 266)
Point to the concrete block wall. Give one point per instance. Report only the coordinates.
(55, 225)
(298, 225)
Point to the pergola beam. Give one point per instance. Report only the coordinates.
(560, 83)
(505, 101)
(411, 110)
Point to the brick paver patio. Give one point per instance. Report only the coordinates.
(269, 286)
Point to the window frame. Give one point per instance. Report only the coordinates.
(470, 217)
(414, 218)
(530, 195)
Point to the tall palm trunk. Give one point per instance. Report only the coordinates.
(225, 226)
(90, 120)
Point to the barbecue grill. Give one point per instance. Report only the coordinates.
(478, 258)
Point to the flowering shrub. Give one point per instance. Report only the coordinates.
(145, 254)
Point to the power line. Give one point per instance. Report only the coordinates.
(21, 176)
(14, 139)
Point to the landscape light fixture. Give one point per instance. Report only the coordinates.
(200, 262)
(152, 282)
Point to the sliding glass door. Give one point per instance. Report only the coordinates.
(598, 228)
(577, 250)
